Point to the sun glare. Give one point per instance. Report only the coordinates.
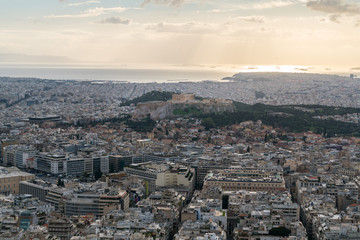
(275, 68)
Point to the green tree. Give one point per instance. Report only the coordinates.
(208, 123)
(266, 139)
(150, 96)
(144, 125)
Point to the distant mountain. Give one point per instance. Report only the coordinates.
(23, 58)
(282, 76)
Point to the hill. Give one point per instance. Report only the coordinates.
(294, 118)
(149, 97)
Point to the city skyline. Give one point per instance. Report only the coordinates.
(278, 32)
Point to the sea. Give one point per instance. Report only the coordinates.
(153, 74)
(134, 75)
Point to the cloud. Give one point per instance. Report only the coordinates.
(267, 5)
(93, 12)
(253, 19)
(272, 4)
(115, 20)
(335, 18)
(334, 7)
(82, 3)
(258, 6)
(188, 27)
(220, 10)
(75, 32)
(172, 3)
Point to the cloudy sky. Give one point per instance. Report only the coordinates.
(291, 32)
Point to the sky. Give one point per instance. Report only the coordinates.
(257, 32)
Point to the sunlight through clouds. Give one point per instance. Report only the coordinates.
(304, 32)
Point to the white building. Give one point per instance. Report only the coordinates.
(21, 156)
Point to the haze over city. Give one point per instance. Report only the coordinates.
(116, 32)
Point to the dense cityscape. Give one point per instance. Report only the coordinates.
(84, 160)
(179, 120)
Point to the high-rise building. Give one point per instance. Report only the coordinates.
(5, 143)
(75, 167)
(18, 155)
(104, 164)
(88, 165)
(9, 158)
(96, 162)
(117, 162)
(51, 164)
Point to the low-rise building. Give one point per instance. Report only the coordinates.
(243, 179)
(163, 175)
(10, 179)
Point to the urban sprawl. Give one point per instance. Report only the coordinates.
(75, 165)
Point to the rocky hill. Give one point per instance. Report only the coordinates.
(182, 105)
